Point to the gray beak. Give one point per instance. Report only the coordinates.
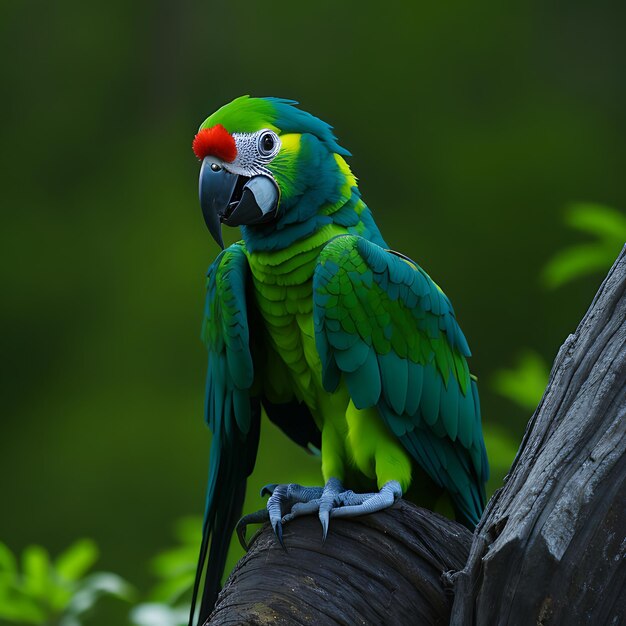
(235, 200)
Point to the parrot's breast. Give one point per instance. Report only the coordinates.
(283, 289)
(288, 318)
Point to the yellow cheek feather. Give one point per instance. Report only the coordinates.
(285, 164)
(290, 143)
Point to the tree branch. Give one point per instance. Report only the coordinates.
(378, 569)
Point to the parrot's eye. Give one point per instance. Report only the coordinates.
(268, 143)
(215, 167)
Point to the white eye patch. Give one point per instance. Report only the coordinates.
(255, 150)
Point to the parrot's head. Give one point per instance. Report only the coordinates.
(260, 157)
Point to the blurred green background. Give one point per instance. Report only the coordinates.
(473, 126)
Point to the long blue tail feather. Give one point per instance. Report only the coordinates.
(231, 462)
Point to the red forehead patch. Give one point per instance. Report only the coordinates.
(215, 141)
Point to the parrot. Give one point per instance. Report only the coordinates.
(349, 347)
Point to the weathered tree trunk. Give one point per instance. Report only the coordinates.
(550, 548)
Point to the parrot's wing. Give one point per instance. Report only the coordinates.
(232, 414)
(382, 323)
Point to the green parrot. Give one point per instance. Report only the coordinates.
(349, 347)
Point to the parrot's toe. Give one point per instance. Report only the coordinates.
(282, 506)
(258, 517)
(302, 508)
(354, 504)
(337, 502)
(286, 502)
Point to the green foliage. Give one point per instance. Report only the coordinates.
(175, 569)
(524, 383)
(61, 592)
(606, 225)
(58, 592)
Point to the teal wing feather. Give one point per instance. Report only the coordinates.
(233, 415)
(389, 330)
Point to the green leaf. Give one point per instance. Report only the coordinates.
(59, 596)
(597, 219)
(525, 383)
(77, 560)
(21, 609)
(578, 261)
(170, 591)
(607, 225)
(95, 587)
(175, 561)
(36, 571)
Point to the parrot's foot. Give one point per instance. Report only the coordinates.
(287, 502)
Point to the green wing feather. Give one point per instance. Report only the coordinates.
(387, 328)
(232, 414)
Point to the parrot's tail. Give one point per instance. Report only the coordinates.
(231, 462)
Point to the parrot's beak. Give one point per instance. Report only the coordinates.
(235, 200)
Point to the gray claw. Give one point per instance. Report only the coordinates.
(268, 490)
(331, 496)
(257, 517)
(274, 504)
(278, 531)
(324, 519)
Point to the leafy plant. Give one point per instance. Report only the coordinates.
(524, 383)
(176, 570)
(56, 592)
(606, 225)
